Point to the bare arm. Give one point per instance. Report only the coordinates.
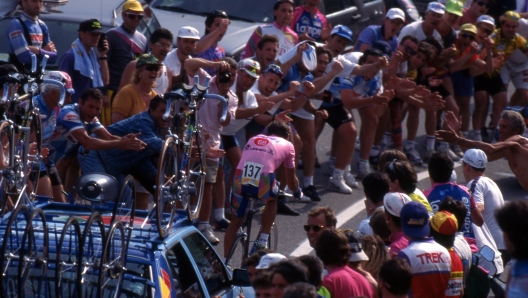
(210, 39)
(128, 74)
(89, 143)
(291, 179)
(105, 135)
(321, 82)
(192, 65)
(103, 64)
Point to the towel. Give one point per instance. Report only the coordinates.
(85, 64)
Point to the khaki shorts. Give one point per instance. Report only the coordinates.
(211, 169)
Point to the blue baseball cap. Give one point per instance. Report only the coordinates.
(383, 47)
(415, 220)
(342, 31)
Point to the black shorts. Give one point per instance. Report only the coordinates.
(52, 173)
(492, 85)
(229, 142)
(337, 115)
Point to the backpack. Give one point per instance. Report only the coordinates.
(477, 283)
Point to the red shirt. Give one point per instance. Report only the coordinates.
(456, 277)
(343, 282)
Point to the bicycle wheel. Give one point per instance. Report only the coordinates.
(195, 173)
(237, 253)
(113, 262)
(15, 244)
(92, 241)
(166, 186)
(6, 161)
(125, 207)
(32, 271)
(67, 269)
(34, 156)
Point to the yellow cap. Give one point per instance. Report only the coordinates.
(510, 16)
(132, 5)
(468, 28)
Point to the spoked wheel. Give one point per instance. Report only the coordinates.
(34, 154)
(113, 262)
(237, 252)
(33, 270)
(166, 186)
(125, 207)
(92, 241)
(67, 268)
(15, 245)
(195, 173)
(7, 153)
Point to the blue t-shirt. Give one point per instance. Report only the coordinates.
(62, 142)
(361, 87)
(48, 119)
(294, 74)
(373, 33)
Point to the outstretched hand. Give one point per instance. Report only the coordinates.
(214, 152)
(448, 135)
(131, 142)
(452, 122)
(283, 116)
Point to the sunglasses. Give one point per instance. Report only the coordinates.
(482, 3)
(275, 69)
(487, 31)
(152, 68)
(252, 69)
(409, 50)
(315, 228)
(133, 16)
(468, 36)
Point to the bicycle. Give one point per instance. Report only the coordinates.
(240, 249)
(180, 178)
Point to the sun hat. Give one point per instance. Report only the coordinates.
(444, 223)
(251, 66)
(188, 32)
(393, 202)
(475, 158)
(455, 7)
(147, 59)
(269, 259)
(132, 5)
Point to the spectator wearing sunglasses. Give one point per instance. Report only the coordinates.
(319, 218)
(471, 14)
(126, 44)
(86, 64)
(207, 48)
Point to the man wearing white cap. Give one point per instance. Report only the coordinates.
(487, 194)
(394, 21)
(422, 29)
(186, 42)
(393, 203)
(269, 259)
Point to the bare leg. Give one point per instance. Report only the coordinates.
(305, 128)
(369, 124)
(268, 216)
(500, 101)
(413, 120)
(463, 105)
(481, 108)
(207, 203)
(519, 98)
(230, 233)
(347, 133)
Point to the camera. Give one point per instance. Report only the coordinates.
(100, 43)
(224, 77)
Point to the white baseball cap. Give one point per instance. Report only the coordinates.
(188, 32)
(436, 7)
(475, 158)
(269, 259)
(394, 202)
(395, 13)
(486, 19)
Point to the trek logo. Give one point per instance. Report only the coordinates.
(261, 142)
(428, 258)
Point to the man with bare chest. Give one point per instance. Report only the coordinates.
(511, 145)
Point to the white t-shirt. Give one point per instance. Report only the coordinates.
(173, 62)
(354, 58)
(162, 82)
(415, 29)
(463, 250)
(488, 193)
(364, 226)
(248, 101)
(348, 67)
(274, 109)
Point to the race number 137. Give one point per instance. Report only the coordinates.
(251, 172)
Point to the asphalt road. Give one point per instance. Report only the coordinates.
(350, 209)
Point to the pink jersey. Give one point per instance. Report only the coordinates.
(286, 36)
(263, 155)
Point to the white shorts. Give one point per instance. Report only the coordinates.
(302, 113)
(517, 74)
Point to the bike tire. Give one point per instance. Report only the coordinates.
(195, 173)
(166, 191)
(35, 126)
(125, 207)
(92, 241)
(15, 243)
(113, 262)
(237, 252)
(67, 269)
(8, 151)
(33, 271)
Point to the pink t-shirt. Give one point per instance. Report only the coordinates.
(398, 242)
(208, 115)
(267, 153)
(467, 17)
(343, 282)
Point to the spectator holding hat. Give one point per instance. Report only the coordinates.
(86, 64)
(486, 193)
(444, 226)
(429, 261)
(126, 44)
(216, 24)
(394, 21)
(283, 15)
(394, 202)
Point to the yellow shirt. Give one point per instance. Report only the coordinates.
(128, 101)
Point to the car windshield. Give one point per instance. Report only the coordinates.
(249, 11)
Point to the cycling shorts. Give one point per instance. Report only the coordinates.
(492, 85)
(266, 190)
(229, 142)
(51, 172)
(462, 83)
(337, 115)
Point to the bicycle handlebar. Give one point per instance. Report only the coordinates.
(224, 104)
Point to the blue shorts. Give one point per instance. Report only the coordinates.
(462, 83)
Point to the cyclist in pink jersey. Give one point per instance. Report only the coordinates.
(254, 178)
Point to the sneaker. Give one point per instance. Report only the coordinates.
(311, 193)
(209, 235)
(413, 156)
(350, 180)
(339, 185)
(428, 154)
(457, 150)
(449, 153)
(221, 224)
(362, 170)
